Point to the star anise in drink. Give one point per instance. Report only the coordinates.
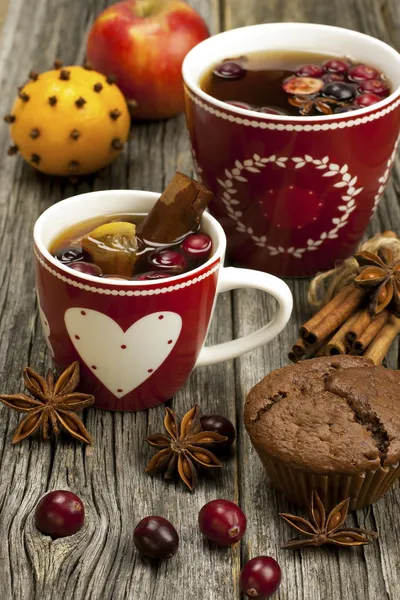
(52, 407)
(325, 529)
(309, 104)
(184, 447)
(380, 276)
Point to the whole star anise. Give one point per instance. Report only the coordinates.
(380, 276)
(183, 447)
(307, 104)
(52, 407)
(322, 529)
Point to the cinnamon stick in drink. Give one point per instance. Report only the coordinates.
(364, 340)
(177, 211)
(332, 316)
(380, 345)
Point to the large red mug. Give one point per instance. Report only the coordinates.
(294, 194)
(138, 341)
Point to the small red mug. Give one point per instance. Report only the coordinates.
(138, 341)
(293, 194)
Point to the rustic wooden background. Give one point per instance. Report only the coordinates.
(100, 562)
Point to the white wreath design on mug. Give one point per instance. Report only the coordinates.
(254, 164)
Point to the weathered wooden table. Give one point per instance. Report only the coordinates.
(100, 563)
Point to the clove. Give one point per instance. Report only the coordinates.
(9, 118)
(35, 158)
(52, 100)
(117, 143)
(34, 133)
(74, 134)
(80, 102)
(111, 79)
(115, 114)
(57, 64)
(12, 150)
(64, 74)
(33, 75)
(98, 87)
(24, 96)
(73, 166)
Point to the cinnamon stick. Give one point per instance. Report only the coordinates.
(307, 330)
(378, 348)
(335, 317)
(360, 325)
(299, 348)
(363, 341)
(177, 211)
(338, 344)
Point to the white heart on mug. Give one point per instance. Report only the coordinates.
(122, 360)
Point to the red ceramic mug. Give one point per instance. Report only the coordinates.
(294, 194)
(138, 341)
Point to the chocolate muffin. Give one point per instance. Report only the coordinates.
(330, 424)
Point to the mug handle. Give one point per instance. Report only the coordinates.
(231, 278)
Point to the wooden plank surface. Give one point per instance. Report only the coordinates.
(100, 561)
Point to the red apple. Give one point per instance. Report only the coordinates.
(143, 44)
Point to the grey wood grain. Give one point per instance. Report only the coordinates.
(100, 561)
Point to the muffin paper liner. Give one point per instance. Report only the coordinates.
(363, 488)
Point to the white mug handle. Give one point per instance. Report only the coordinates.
(231, 278)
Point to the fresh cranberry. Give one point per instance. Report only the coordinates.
(222, 522)
(335, 65)
(375, 86)
(229, 70)
(150, 275)
(362, 72)
(197, 245)
(329, 77)
(260, 577)
(240, 104)
(69, 255)
(86, 268)
(339, 90)
(221, 425)
(156, 538)
(302, 86)
(59, 513)
(309, 71)
(366, 99)
(168, 259)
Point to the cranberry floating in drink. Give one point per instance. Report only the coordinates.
(166, 242)
(295, 83)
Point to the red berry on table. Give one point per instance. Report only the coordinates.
(59, 513)
(367, 99)
(375, 86)
(156, 537)
(309, 71)
(229, 70)
(260, 577)
(362, 72)
(335, 65)
(302, 86)
(222, 522)
(221, 425)
(197, 245)
(168, 259)
(86, 268)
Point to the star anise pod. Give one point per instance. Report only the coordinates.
(307, 104)
(322, 529)
(380, 276)
(184, 447)
(52, 407)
